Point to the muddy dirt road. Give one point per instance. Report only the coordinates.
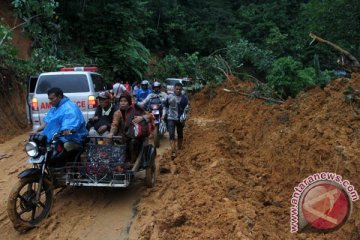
(78, 213)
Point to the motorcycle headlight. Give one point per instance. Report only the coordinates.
(31, 149)
(154, 106)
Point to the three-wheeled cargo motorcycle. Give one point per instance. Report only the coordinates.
(99, 163)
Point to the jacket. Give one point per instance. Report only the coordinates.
(104, 118)
(66, 115)
(123, 119)
(142, 94)
(176, 106)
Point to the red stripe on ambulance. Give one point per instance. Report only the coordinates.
(47, 105)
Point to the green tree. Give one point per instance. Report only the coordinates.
(41, 23)
(244, 52)
(173, 66)
(288, 77)
(109, 32)
(336, 21)
(258, 21)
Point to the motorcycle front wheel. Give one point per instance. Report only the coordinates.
(23, 209)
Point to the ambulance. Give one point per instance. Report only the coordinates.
(80, 84)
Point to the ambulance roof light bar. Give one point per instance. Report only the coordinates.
(87, 69)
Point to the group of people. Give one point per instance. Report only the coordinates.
(116, 115)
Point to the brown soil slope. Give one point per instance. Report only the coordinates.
(12, 95)
(19, 40)
(12, 106)
(242, 160)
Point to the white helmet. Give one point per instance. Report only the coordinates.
(145, 82)
(156, 84)
(162, 127)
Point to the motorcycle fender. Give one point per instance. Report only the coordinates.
(148, 156)
(30, 172)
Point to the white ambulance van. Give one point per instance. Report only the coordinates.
(80, 84)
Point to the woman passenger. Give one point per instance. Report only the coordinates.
(124, 118)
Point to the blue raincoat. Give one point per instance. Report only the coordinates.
(142, 94)
(65, 116)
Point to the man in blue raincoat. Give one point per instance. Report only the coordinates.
(64, 116)
(143, 92)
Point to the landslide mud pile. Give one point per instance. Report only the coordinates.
(242, 160)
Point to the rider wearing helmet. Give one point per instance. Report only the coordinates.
(156, 85)
(157, 90)
(143, 92)
(154, 103)
(155, 97)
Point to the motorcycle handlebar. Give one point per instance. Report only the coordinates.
(63, 133)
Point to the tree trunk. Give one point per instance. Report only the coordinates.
(347, 60)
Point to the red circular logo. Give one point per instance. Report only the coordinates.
(325, 206)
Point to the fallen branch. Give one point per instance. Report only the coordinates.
(253, 96)
(346, 60)
(227, 72)
(260, 84)
(343, 51)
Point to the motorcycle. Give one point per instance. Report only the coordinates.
(156, 109)
(99, 164)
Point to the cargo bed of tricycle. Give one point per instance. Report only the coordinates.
(107, 165)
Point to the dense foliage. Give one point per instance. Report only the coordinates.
(155, 39)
